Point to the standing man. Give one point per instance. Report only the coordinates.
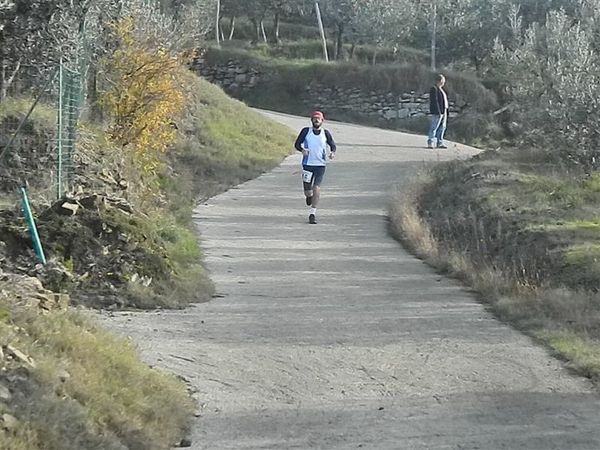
(438, 108)
(313, 142)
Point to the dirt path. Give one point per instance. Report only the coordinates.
(333, 337)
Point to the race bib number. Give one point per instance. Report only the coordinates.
(307, 176)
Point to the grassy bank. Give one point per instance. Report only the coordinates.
(522, 230)
(66, 384)
(312, 49)
(222, 143)
(131, 241)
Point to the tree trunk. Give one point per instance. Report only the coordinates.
(277, 27)
(92, 94)
(262, 30)
(352, 49)
(256, 29)
(433, 36)
(217, 24)
(321, 30)
(339, 49)
(231, 27)
(3, 88)
(7, 80)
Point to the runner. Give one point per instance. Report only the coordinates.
(313, 142)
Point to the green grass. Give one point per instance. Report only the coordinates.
(312, 49)
(17, 107)
(583, 352)
(224, 142)
(88, 389)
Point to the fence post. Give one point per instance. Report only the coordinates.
(37, 244)
(59, 132)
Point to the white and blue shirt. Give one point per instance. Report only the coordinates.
(316, 142)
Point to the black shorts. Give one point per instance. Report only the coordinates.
(317, 178)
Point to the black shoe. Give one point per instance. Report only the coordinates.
(312, 219)
(309, 201)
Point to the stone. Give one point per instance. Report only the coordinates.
(69, 208)
(19, 355)
(390, 114)
(9, 422)
(63, 376)
(5, 394)
(242, 78)
(185, 443)
(403, 113)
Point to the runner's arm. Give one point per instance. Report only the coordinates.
(300, 140)
(330, 141)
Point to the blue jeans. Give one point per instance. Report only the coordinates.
(437, 129)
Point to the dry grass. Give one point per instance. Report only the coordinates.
(566, 319)
(408, 226)
(88, 389)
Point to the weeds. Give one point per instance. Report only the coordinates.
(87, 389)
(525, 241)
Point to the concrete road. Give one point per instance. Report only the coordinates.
(331, 336)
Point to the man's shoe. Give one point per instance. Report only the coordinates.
(312, 219)
(429, 145)
(441, 146)
(309, 201)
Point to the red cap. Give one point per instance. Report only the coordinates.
(318, 114)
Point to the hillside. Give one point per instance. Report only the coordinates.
(65, 383)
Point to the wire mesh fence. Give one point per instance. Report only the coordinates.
(69, 100)
(38, 131)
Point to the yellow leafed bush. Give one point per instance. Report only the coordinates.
(145, 95)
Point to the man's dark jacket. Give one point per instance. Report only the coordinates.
(436, 101)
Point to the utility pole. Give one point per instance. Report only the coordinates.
(218, 25)
(322, 30)
(433, 34)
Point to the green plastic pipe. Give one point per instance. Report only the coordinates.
(37, 245)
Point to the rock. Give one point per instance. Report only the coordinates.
(18, 354)
(185, 443)
(5, 394)
(389, 115)
(63, 376)
(68, 208)
(9, 422)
